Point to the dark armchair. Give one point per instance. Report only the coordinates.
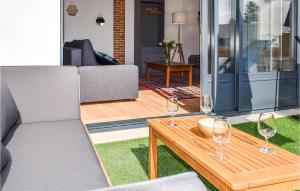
(79, 53)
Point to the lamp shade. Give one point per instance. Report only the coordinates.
(179, 18)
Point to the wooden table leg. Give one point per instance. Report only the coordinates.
(190, 76)
(152, 155)
(147, 72)
(168, 76)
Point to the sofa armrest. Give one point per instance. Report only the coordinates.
(72, 56)
(186, 181)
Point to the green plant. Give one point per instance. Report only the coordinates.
(251, 12)
(167, 45)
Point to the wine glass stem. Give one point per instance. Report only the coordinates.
(267, 141)
(172, 120)
(221, 150)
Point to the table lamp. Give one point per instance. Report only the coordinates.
(179, 18)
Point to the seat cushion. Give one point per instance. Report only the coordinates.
(10, 116)
(53, 156)
(5, 164)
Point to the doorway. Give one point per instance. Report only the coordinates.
(149, 31)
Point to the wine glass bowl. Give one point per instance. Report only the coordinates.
(172, 109)
(206, 104)
(267, 128)
(221, 135)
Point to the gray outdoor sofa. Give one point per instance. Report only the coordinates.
(44, 144)
(100, 82)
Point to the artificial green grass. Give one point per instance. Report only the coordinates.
(127, 161)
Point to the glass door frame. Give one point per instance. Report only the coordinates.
(210, 83)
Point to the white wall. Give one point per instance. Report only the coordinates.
(190, 31)
(83, 25)
(30, 32)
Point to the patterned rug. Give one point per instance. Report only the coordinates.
(178, 86)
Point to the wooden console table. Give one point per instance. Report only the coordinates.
(246, 170)
(171, 68)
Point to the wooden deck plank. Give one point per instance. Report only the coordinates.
(149, 104)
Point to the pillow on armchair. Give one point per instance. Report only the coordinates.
(104, 59)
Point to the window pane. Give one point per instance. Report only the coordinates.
(226, 35)
(268, 31)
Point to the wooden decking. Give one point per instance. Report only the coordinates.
(149, 104)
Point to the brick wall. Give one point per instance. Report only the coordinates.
(119, 30)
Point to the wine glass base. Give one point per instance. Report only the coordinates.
(220, 157)
(172, 125)
(266, 150)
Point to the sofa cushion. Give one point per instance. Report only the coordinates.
(104, 59)
(53, 156)
(88, 55)
(10, 116)
(44, 93)
(5, 164)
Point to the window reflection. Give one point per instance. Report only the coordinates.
(226, 35)
(268, 32)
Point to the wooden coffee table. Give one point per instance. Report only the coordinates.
(247, 169)
(171, 68)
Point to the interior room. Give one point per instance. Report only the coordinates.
(133, 41)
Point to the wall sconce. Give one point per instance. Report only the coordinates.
(100, 21)
(72, 9)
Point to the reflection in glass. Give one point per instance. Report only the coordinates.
(226, 35)
(268, 31)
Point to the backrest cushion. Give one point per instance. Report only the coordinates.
(10, 116)
(88, 55)
(44, 93)
(5, 164)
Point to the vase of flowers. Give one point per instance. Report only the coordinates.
(167, 45)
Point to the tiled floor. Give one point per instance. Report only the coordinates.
(143, 132)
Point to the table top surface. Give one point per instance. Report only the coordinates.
(171, 64)
(246, 167)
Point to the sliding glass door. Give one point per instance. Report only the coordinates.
(267, 76)
(250, 57)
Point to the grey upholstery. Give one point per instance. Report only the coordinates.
(44, 93)
(5, 164)
(10, 116)
(53, 156)
(51, 149)
(72, 56)
(107, 83)
(182, 182)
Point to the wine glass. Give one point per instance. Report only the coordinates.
(267, 128)
(206, 104)
(172, 108)
(222, 135)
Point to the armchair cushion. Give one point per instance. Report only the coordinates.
(10, 116)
